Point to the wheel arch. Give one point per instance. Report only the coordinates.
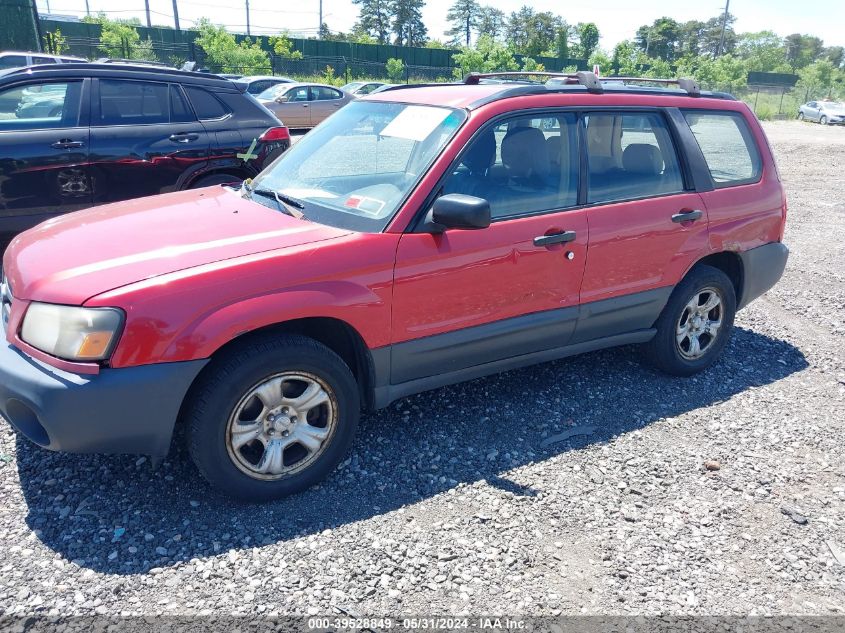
(728, 262)
(336, 334)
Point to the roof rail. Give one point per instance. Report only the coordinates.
(587, 79)
(690, 86)
(584, 78)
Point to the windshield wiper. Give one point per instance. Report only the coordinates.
(284, 203)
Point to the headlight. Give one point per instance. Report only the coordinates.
(72, 333)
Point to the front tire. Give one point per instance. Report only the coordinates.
(823, 120)
(800, 116)
(272, 418)
(695, 324)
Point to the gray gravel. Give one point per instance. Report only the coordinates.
(720, 494)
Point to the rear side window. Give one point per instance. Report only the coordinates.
(43, 60)
(630, 155)
(206, 105)
(325, 94)
(728, 146)
(12, 61)
(133, 102)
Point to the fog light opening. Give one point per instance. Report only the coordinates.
(26, 421)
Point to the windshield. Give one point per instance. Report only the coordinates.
(356, 169)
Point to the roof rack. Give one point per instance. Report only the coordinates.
(584, 78)
(587, 79)
(690, 86)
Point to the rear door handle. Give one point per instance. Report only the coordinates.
(184, 137)
(687, 216)
(66, 143)
(554, 238)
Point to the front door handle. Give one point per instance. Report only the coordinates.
(554, 238)
(184, 137)
(687, 216)
(66, 143)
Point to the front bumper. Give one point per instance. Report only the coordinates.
(131, 410)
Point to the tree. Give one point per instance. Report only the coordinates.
(660, 40)
(225, 54)
(532, 65)
(727, 72)
(407, 23)
(374, 19)
(395, 69)
(532, 33)
(283, 47)
(120, 39)
(711, 36)
(802, 50)
(435, 43)
(487, 56)
(834, 54)
(819, 77)
(762, 51)
(562, 37)
(601, 59)
(588, 38)
(491, 21)
(463, 18)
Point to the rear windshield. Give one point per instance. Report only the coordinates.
(728, 146)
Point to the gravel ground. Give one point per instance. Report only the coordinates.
(720, 494)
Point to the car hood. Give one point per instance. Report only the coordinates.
(77, 256)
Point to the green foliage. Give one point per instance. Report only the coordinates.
(375, 19)
(55, 43)
(763, 51)
(436, 44)
(588, 39)
(727, 72)
(225, 54)
(120, 39)
(488, 55)
(531, 33)
(531, 64)
(283, 47)
(407, 25)
(802, 50)
(491, 21)
(463, 19)
(601, 59)
(395, 69)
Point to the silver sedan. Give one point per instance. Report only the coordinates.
(304, 105)
(824, 112)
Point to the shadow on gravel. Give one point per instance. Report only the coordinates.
(115, 515)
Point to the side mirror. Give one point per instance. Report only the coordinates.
(281, 99)
(457, 211)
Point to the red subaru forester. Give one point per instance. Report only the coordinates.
(419, 237)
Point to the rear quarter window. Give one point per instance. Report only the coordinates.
(206, 105)
(728, 146)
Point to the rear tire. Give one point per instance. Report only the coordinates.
(215, 179)
(823, 120)
(695, 324)
(272, 418)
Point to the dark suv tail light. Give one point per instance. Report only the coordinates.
(275, 134)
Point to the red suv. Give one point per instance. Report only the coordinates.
(419, 237)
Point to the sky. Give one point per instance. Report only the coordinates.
(617, 19)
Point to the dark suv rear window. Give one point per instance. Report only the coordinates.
(728, 146)
(206, 105)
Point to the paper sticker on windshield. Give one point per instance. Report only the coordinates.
(415, 122)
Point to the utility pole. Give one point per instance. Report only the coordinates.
(176, 16)
(147, 7)
(724, 25)
(320, 29)
(247, 18)
(87, 9)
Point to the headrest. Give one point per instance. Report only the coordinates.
(642, 158)
(524, 153)
(481, 154)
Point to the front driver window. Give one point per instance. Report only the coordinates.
(521, 166)
(39, 106)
